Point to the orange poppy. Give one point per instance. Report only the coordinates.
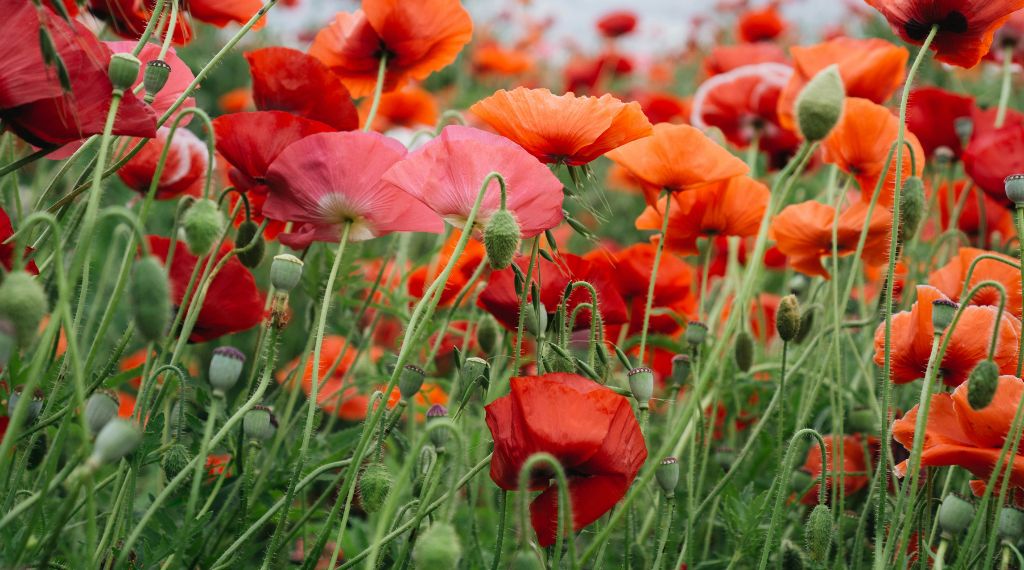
(912, 335)
(761, 25)
(859, 145)
(563, 129)
(871, 69)
(950, 278)
(493, 59)
(803, 232)
(409, 107)
(418, 38)
(471, 258)
(733, 207)
(855, 460)
(677, 158)
(631, 269)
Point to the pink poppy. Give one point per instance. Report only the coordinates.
(285, 79)
(328, 179)
(184, 170)
(447, 172)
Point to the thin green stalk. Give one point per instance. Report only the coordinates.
(378, 90)
(654, 274)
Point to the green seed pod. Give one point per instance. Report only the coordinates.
(526, 559)
(787, 318)
(155, 76)
(1014, 186)
(641, 383)
(955, 514)
(117, 439)
(820, 105)
(175, 460)
(487, 335)
(982, 384)
(667, 474)
(681, 366)
(35, 407)
(285, 272)
(123, 70)
(259, 423)
(23, 303)
(912, 208)
(151, 298)
(438, 437)
(203, 223)
(225, 368)
(248, 232)
(410, 381)
(818, 533)
(501, 239)
(696, 332)
(743, 351)
(374, 487)
(806, 324)
(474, 367)
(943, 311)
(1011, 524)
(100, 408)
(437, 547)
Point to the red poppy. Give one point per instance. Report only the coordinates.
(912, 335)
(664, 107)
(950, 278)
(232, 304)
(932, 115)
(285, 79)
(418, 38)
(25, 76)
(409, 107)
(491, 58)
(617, 23)
(672, 289)
(128, 18)
(804, 233)
(965, 27)
(761, 25)
(467, 263)
(992, 155)
(984, 220)
(858, 452)
(7, 247)
(587, 427)
(184, 170)
(1009, 37)
(723, 59)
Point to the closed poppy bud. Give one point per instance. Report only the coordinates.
(555, 359)
(259, 423)
(982, 384)
(696, 332)
(117, 439)
(285, 272)
(525, 559)
(248, 233)
(820, 104)
(175, 460)
(862, 420)
(787, 318)
(792, 557)
(438, 437)
(819, 533)
(955, 514)
(501, 239)
(943, 311)
(912, 208)
(151, 299)
(1014, 186)
(123, 70)
(806, 324)
(667, 475)
(681, 365)
(438, 547)
(641, 383)
(1011, 524)
(203, 223)
(225, 368)
(100, 408)
(474, 367)
(374, 487)
(487, 335)
(724, 457)
(23, 303)
(410, 381)
(743, 351)
(155, 77)
(35, 407)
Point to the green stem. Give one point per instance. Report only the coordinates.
(378, 90)
(1004, 90)
(654, 275)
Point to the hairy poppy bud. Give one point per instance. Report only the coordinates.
(151, 298)
(248, 233)
(175, 460)
(438, 547)
(862, 420)
(641, 383)
(438, 437)
(8, 341)
(955, 514)
(203, 223)
(787, 318)
(912, 208)
(524, 559)
(100, 408)
(225, 368)
(501, 239)
(117, 439)
(696, 332)
(1014, 186)
(123, 70)
(681, 365)
(410, 381)
(487, 335)
(285, 272)
(35, 406)
(1011, 524)
(982, 384)
(792, 557)
(820, 104)
(818, 533)
(23, 303)
(474, 367)
(259, 423)
(155, 76)
(743, 351)
(667, 474)
(943, 311)
(806, 324)
(374, 487)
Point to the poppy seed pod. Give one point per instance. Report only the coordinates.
(474, 367)
(955, 514)
(1011, 524)
(23, 303)
(175, 460)
(285, 272)
(155, 76)
(438, 547)
(982, 384)
(35, 406)
(943, 311)
(681, 365)
(248, 232)
(151, 299)
(944, 155)
(820, 104)
(641, 383)
(743, 351)
(1014, 186)
(501, 239)
(667, 474)
(203, 223)
(410, 381)
(259, 423)
(225, 368)
(117, 439)
(374, 487)
(100, 408)
(912, 208)
(438, 437)
(696, 332)
(123, 70)
(818, 533)
(787, 318)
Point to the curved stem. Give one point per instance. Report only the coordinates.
(378, 90)
(565, 523)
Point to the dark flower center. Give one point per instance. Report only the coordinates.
(954, 23)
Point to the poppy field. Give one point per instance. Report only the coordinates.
(421, 286)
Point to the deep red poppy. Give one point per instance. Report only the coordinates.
(467, 263)
(587, 427)
(7, 248)
(285, 79)
(184, 170)
(992, 155)
(932, 115)
(1009, 37)
(128, 18)
(25, 76)
(984, 219)
(664, 107)
(617, 23)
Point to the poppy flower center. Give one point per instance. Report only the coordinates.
(335, 209)
(954, 23)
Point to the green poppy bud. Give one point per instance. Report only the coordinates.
(175, 460)
(151, 298)
(806, 324)
(555, 359)
(259, 423)
(23, 303)
(955, 514)
(100, 408)
(410, 381)
(248, 233)
(526, 559)
(1014, 186)
(438, 437)
(818, 533)
(225, 368)
(8, 342)
(487, 335)
(724, 457)
(123, 70)
(641, 383)
(438, 547)
(696, 332)
(862, 420)
(1011, 524)
(155, 77)
(681, 366)
(374, 487)
(820, 105)
(116, 440)
(474, 367)
(787, 318)
(285, 272)
(943, 312)
(203, 223)
(743, 351)
(792, 557)
(667, 474)
(982, 384)
(501, 239)
(35, 406)
(912, 208)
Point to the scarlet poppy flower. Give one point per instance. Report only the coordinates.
(499, 298)
(804, 233)
(26, 77)
(128, 18)
(858, 452)
(587, 427)
(446, 174)
(232, 304)
(932, 115)
(987, 223)
(871, 69)
(491, 58)
(664, 107)
(7, 247)
(417, 38)
(184, 170)
(285, 79)
(617, 23)
(957, 434)
(672, 289)
(326, 180)
(912, 335)
(859, 145)
(761, 25)
(949, 279)
(1009, 37)
(563, 128)
(965, 27)
(723, 59)
(467, 263)
(409, 107)
(733, 207)
(992, 155)
(677, 158)
(585, 74)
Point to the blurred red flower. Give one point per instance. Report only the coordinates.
(285, 79)
(617, 23)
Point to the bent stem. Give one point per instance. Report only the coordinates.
(564, 515)
(654, 275)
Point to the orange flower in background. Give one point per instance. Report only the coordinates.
(859, 145)
(409, 107)
(418, 38)
(723, 59)
(471, 258)
(982, 218)
(563, 128)
(804, 233)
(871, 69)
(631, 269)
(733, 207)
(854, 460)
(760, 25)
(950, 278)
(493, 59)
(912, 335)
(965, 27)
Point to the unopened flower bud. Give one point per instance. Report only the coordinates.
(555, 359)
(8, 342)
(175, 460)
(806, 324)
(1014, 185)
(943, 311)
(487, 335)
(696, 332)
(151, 298)
(23, 303)
(117, 439)
(787, 318)
(743, 351)
(226, 367)
(259, 423)
(438, 547)
(501, 239)
(410, 381)
(820, 105)
(912, 208)
(123, 70)
(248, 233)
(35, 406)
(100, 408)
(681, 366)
(438, 436)
(955, 514)
(982, 384)
(862, 420)
(667, 474)
(1011, 524)
(285, 272)
(374, 487)
(474, 367)
(155, 76)
(641, 383)
(818, 533)
(203, 223)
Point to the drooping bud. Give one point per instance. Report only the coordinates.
(820, 105)
(438, 437)
(641, 383)
(487, 335)
(787, 318)
(35, 406)
(556, 360)
(501, 239)
(175, 460)
(955, 514)
(943, 311)
(1011, 524)
(203, 223)
(818, 533)
(1014, 185)
(100, 408)
(151, 298)
(410, 381)
(155, 76)
(23, 303)
(667, 475)
(259, 423)
(743, 351)
(438, 547)
(123, 70)
(696, 332)
(117, 439)
(681, 365)
(285, 272)
(374, 487)
(982, 384)
(225, 368)
(912, 208)
(248, 233)
(474, 367)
